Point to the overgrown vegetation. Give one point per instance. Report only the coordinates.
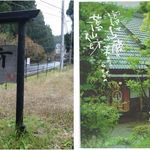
(41, 134)
(39, 34)
(140, 84)
(137, 138)
(34, 50)
(98, 118)
(36, 30)
(48, 112)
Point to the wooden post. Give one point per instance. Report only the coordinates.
(20, 77)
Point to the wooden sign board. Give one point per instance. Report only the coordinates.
(8, 63)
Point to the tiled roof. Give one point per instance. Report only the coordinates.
(130, 46)
(135, 27)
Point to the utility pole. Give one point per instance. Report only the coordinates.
(71, 46)
(62, 37)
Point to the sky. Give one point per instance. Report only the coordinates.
(52, 15)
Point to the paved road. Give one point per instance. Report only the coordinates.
(34, 68)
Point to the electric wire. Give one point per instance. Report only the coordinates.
(51, 14)
(50, 4)
(43, 11)
(47, 6)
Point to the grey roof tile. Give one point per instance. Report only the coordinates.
(130, 48)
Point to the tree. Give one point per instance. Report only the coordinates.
(37, 30)
(93, 72)
(95, 27)
(69, 36)
(41, 33)
(68, 41)
(70, 11)
(140, 84)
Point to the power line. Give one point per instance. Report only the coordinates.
(47, 6)
(43, 12)
(50, 4)
(51, 14)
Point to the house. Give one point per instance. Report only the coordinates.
(120, 70)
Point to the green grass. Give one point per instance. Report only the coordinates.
(40, 134)
(123, 137)
(48, 112)
(142, 143)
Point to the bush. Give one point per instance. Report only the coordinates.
(97, 119)
(142, 131)
(143, 143)
(141, 136)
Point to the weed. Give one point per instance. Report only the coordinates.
(48, 112)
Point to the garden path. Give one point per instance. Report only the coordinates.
(123, 130)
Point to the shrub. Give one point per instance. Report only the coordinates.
(141, 136)
(97, 119)
(145, 143)
(142, 131)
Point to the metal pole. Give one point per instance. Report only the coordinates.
(62, 37)
(20, 77)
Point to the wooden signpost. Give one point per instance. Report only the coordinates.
(19, 17)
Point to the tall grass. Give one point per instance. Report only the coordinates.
(48, 112)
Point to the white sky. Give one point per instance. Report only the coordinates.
(54, 21)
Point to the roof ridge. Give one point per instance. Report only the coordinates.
(134, 37)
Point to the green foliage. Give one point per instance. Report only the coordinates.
(70, 10)
(142, 143)
(40, 134)
(41, 33)
(97, 119)
(127, 48)
(146, 83)
(91, 66)
(145, 10)
(68, 41)
(142, 131)
(69, 37)
(140, 136)
(144, 7)
(134, 85)
(134, 62)
(57, 39)
(37, 30)
(145, 26)
(139, 86)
